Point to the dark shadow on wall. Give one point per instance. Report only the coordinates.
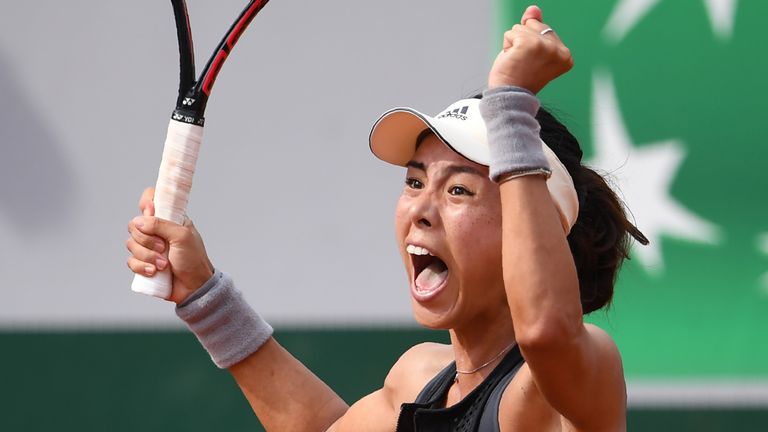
(37, 184)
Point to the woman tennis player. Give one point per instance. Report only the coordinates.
(508, 242)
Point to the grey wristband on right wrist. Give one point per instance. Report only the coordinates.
(224, 323)
(513, 133)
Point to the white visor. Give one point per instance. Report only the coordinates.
(461, 127)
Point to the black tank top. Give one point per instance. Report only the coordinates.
(477, 412)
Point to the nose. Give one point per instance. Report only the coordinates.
(423, 211)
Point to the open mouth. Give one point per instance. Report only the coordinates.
(429, 272)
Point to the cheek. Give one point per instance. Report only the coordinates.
(477, 225)
(476, 238)
(401, 218)
(401, 227)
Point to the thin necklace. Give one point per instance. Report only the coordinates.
(468, 372)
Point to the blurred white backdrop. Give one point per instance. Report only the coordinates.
(287, 196)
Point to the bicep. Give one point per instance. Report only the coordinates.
(578, 376)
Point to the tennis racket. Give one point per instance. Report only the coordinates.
(185, 131)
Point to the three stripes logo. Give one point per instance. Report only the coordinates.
(458, 113)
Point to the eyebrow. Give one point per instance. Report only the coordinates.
(417, 165)
(451, 169)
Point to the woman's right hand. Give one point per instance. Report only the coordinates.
(156, 244)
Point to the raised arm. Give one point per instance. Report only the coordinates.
(576, 367)
(284, 394)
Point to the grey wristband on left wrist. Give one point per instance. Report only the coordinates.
(513, 133)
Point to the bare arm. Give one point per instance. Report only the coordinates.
(284, 394)
(576, 367)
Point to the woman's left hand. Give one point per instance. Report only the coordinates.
(529, 58)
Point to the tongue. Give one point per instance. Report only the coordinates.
(431, 277)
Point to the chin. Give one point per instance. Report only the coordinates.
(435, 318)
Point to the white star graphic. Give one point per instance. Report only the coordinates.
(644, 175)
(762, 246)
(721, 16)
(627, 13)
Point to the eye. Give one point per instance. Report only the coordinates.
(459, 190)
(414, 183)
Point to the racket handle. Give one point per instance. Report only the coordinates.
(174, 182)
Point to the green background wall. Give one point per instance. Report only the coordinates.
(681, 86)
(153, 381)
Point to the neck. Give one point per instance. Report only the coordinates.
(479, 343)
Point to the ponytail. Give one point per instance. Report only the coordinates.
(600, 239)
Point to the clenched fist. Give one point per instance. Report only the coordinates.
(156, 244)
(529, 58)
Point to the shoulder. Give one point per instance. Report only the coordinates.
(379, 410)
(414, 369)
(611, 371)
(603, 382)
(572, 386)
(605, 348)
(607, 386)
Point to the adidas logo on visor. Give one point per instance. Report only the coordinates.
(458, 113)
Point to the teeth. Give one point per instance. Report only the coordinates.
(417, 250)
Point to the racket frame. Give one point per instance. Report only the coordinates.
(193, 94)
(185, 130)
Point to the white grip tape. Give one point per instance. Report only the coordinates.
(174, 182)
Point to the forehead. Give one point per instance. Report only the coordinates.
(432, 150)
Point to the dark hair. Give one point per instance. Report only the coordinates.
(600, 239)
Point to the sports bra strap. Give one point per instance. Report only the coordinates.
(437, 385)
(477, 411)
(489, 421)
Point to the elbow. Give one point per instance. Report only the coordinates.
(545, 319)
(548, 335)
